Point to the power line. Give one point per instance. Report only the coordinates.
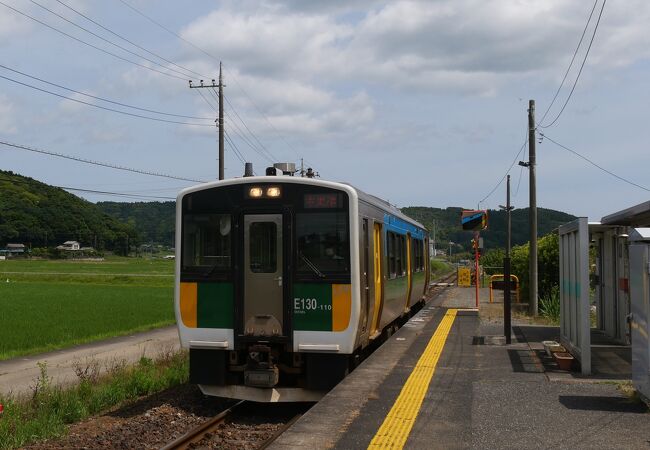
(129, 41)
(107, 40)
(594, 164)
(581, 67)
(507, 172)
(101, 98)
(150, 19)
(3, 177)
(133, 8)
(157, 119)
(235, 149)
(207, 101)
(570, 64)
(91, 45)
(119, 194)
(238, 131)
(97, 163)
(273, 158)
(521, 174)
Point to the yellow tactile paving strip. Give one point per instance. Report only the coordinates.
(397, 425)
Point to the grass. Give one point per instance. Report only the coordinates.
(549, 306)
(440, 268)
(48, 305)
(49, 409)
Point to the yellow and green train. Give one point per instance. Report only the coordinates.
(282, 281)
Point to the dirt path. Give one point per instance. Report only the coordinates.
(18, 375)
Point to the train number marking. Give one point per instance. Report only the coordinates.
(309, 304)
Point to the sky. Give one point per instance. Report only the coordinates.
(422, 103)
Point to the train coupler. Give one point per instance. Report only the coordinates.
(260, 370)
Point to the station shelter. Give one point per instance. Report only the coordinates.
(604, 304)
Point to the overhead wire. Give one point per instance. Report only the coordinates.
(158, 24)
(575, 53)
(521, 174)
(157, 119)
(594, 164)
(129, 41)
(119, 194)
(262, 146)
(242, 135)
(97, 163)
(107, 40)
(234, 148)
(125, 105)
(3, 177)
(92, 45)
(207, 101)
(507, 172)
(584, 60)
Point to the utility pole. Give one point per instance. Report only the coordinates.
(532, 212)
(221, 144)
(219, 121)
(507, 316)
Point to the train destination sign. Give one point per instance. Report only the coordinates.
(474, 220)
(321, 201)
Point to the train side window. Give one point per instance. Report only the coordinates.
(263, 247)
(323, 243)
(207, 241)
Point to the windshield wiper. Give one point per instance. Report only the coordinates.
(311, 265)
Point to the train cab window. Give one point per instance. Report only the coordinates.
(263, 254)
(323, 243)
(207, 241)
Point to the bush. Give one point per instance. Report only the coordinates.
(548, 264)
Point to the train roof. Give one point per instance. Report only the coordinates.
(363, 196)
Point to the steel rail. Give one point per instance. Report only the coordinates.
(196, 434)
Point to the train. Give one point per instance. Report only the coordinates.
(282, 282)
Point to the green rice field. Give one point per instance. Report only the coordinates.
(47, 305)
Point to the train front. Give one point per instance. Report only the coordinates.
(265, 298)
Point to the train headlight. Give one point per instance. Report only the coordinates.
(273, 191)
(255, 192)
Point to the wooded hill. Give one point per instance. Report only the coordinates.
(448, 226)
(40, 215)
(155, 221)
(35, 213)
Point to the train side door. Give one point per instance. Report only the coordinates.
(378, 278)
(263, 270)
(365, 275)
(409, 269)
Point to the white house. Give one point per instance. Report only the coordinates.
(69, 245)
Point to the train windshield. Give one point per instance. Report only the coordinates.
(207, 243)
(323, 243)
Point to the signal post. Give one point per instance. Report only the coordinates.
(475, 220)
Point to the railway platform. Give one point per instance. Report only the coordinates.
(448, 380)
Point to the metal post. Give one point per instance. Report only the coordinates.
(532, 212)
(221, 143)
(507, 326)
(476, 274)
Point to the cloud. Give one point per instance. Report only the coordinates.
(12, 25)
(7, 114)
(466, 46)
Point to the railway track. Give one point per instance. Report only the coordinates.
(239, 427)
(209, 433)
